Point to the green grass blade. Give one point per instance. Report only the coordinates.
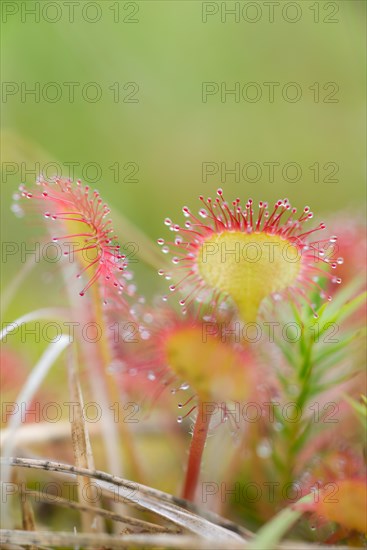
(268, 536)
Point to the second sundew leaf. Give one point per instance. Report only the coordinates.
(83, 225)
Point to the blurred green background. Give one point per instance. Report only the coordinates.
(166, 51)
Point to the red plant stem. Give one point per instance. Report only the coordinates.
(196, 452)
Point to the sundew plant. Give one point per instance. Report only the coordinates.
(225, 410)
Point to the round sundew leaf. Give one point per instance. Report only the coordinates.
(247, 254)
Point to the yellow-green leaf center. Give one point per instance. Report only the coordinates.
(248, 267)
(213, 368)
